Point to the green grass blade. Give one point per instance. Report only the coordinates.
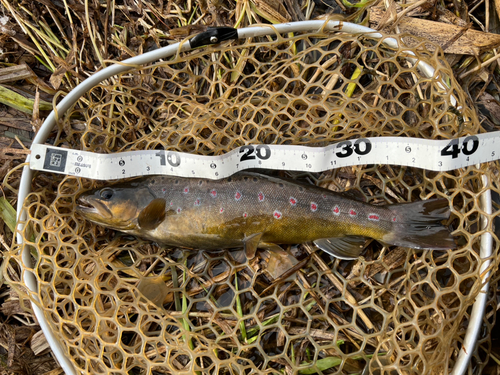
(185, 324)
(327, 363)
(352, 86)
(19, 102)
(240, 310)
(8, 214)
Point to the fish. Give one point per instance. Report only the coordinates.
(254, 211)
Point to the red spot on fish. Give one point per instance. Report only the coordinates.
(352, 212)
(171, 203)
(237, 196)
(373, 217)
(186, 190)
(213, 193)
(292, 201)
(245, 214)
(314, 206)
(221, 210)
(197, 202)
(277, 214)
(261, 197)
(164, 190)
(324, 196)
(394, 219)
(179, 210)
(336, 210)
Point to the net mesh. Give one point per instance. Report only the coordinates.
(121, 305)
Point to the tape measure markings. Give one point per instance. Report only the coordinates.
(435, 155)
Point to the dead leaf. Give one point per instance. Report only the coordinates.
(272, 10)
(390, 15)
(490, 108)
(56, 77)
(185, 31)
(154, 289)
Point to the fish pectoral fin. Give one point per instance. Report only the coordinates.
(153, 215)
(342, 247)
(251, 243)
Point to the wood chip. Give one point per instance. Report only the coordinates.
(39, 343)
(10, 337)
(16, 73)
(394, 259)
(472, 42)
(21, 123)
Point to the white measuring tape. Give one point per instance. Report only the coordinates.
(435, 155)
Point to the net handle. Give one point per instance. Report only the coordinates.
(168, 51)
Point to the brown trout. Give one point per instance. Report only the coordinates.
(260, 211)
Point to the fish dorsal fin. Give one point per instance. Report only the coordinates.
(342, 247)
(354, 194)
(153, 215)
(251, 244)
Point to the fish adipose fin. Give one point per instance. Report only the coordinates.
(153, 214)
(418, 225)
(342, 247)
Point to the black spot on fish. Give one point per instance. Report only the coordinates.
(200, 183)
(153, 181)
(281, 185)
(245, 178)
(229, 179)
(301, 188)
(255, 179)
(176, 182)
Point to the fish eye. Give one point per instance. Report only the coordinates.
(106, 194)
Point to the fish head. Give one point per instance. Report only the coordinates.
(116, 207)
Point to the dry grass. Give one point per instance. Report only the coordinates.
(47, 48)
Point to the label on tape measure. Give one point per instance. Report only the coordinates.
(435, 155)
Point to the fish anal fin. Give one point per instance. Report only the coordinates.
(348, 248)
(251, 244)
(153, 214)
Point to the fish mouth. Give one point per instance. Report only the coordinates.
(92, 208)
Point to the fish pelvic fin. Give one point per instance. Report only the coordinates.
(251, 244)
(418, 225)
(348, 248)
(153, 214)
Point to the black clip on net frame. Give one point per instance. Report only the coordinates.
(213, 36)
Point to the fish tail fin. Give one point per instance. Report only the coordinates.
(418, 225)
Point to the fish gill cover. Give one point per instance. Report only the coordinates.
(122, 305)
